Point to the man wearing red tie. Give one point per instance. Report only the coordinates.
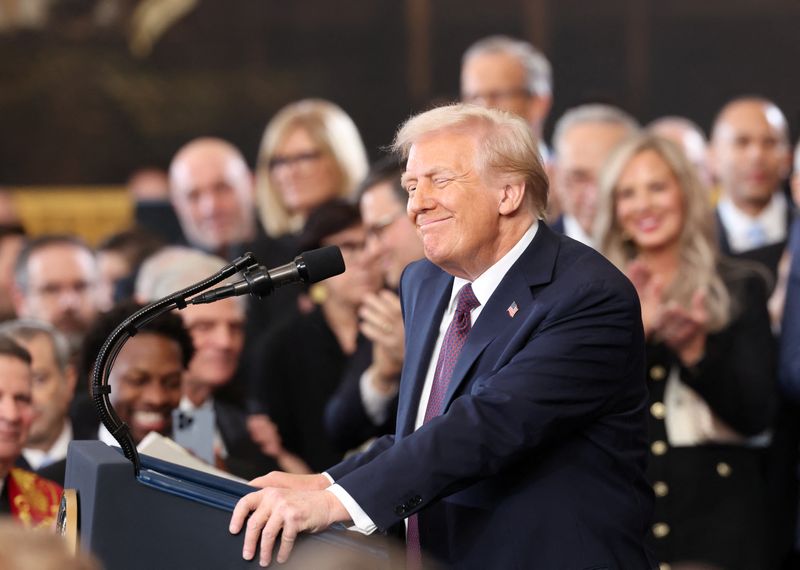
(520, 437)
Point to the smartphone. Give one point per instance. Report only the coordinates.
(195, 432)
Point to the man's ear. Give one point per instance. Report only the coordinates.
(512, 196)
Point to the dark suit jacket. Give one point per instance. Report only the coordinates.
(5, 503)
(790, 329)
(244, 456)
(538, 459)
(299, 366)
(714, 516)
(346, 421)
(769, 255)
(558, 225)
(57, 470)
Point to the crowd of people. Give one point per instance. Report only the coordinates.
(703, 227)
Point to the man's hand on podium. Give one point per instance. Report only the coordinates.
(288, 503)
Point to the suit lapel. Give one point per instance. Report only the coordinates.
(534, 267)
(428, 309)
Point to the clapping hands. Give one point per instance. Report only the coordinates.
(682, 329)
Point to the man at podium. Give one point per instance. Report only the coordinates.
(521, 437)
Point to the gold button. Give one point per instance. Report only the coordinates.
(658, 372)
(658, 447)
(658, 410)
(660, 488)
(660, 530)
(664, 566)
(724, 469)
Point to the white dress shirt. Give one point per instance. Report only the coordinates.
(573, 229)
(38, 458)
(376, 404)
(742, 229)
(482, 287)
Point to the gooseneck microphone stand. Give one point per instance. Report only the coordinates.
(128, 328)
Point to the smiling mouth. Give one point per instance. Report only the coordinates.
(648, 224)
(153, 421)
(425, 223)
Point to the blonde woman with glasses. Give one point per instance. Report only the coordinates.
(311, 152)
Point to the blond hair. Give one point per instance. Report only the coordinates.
(507, 144)
(336, 134)
(699, 255)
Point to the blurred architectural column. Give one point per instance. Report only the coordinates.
(418, 60)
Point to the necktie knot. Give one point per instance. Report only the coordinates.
(466, 301)
(757, 235)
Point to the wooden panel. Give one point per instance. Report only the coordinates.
(91, 212)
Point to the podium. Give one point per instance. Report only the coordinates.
(172, 517)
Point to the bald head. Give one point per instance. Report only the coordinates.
(211, 189)
(749, 154)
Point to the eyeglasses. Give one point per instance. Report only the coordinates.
(375, 231)
(351, 248)
(490, 97)
(301, 159)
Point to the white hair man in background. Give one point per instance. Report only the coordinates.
(582, 141)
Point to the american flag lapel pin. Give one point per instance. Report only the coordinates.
(512, 309)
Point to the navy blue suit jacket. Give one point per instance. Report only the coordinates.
(538, 459)
(790, 328)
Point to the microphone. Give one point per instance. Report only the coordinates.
(308, 267)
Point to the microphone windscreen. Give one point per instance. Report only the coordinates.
(323, 263)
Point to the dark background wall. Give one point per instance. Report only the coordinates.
(83, 101)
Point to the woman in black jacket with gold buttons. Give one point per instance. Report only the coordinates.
(710, 355)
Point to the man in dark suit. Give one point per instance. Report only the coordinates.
(520, 439)
(750, 158)
(583, 139)
(218, 334)
(53, 387)
(365, 405)
(30, 499)
(212, 192)
(790, 329)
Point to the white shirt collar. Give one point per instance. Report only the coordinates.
(37, 458)
(573, 229)
(105, 436)
(484, 286)
(188, 407)
(737, 225)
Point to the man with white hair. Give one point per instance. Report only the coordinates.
(30, 499)
(504, 73)
(54, 378)
(521, 437)
(218, 335)
(582, 141)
